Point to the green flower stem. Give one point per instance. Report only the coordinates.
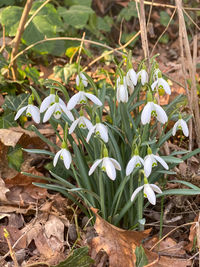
(140, 202)
(102, 195)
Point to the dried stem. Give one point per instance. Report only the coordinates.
(11, 251)
(193, 99)
(18, 36)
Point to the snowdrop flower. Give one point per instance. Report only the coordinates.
(152, 109)
(31, 111)
(48, 101)
(160, 83)
(81, 77)
(143, 75)
(108, 165)
(63, 154)
(131, 80)
(148, 192)
(81, 98)
(180, 125)
(56, 109)
(98, 129)
(134, 162)
(82, 122)
(122, 93)
(151, 161)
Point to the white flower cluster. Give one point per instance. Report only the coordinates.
(53, 105)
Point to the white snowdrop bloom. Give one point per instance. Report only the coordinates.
(82, 122)
(49, 101)
(65, 155)
(100, 130)
(31, 111)
(152, 109)
(122, 93)
(143, 75)
(83, 79)
(81, 98)
(180, 125)
(148, 192)
(109, 165)
(160, 83)
(56, 110)
(131, 80)
(134, 162)
(151, 161)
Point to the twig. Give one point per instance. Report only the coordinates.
(35, 13)
(80, 48)
(4, 39)
(163, 31)
(11, 251)
(65, 38)
(143, 29)
(112, 51)
(18, 36)
(191, 19)
(168, 6)
(169, 233)
(193, 99)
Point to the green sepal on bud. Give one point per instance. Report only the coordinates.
(81, 112)
(149, 96)
(136, 151)
(149, 151)
(66, 131)
(98, 119)
(57, 98)
(145, 180)
(52, 91)
(64, 145)
(179, 116)
(31, 99)
(159, 74)
(105, 152)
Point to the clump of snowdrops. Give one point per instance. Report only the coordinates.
(110, 157)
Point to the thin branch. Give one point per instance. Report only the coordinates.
(190, 18)
(18, 36)
(67, 39)
(174, 12)
(35, 13)
(80, 48)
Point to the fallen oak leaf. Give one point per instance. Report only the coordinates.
(119, 244)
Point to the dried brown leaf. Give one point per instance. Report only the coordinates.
(119, 244)
(54, 227)
(3, 191)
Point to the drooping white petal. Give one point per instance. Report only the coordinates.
(73, 126)
(156, 188)
(47, 102)
(154, 84)
(19, 112)
(146, 113)
(132, 76)
(67, 158)
(164, 84)
(49, 113)
(103, 131)
(161, 161)
(161, 114)
(84, 79)
(94, 166)
(137, 190)
(109, 167)
(147, 165)
(131, 165)
(56, 157)
(143, 75)
(184, 127)
(140, 159)
(87, 123)
(35, 113)
(115, 163)
(66, 111)
(91, 131)
(175, 128)
(73, 101)
(94, 99)
(148, 191)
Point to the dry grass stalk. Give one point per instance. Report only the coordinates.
(191, 67)
(18, 36)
